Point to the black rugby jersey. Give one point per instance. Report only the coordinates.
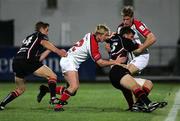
(120, 45)
(31, 47)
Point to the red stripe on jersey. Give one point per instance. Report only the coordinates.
(141, 27)
(94, 48)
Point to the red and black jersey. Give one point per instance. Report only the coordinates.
(31, 47)
(121, 46)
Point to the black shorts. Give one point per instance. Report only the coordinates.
(24, 67)
(115, 75)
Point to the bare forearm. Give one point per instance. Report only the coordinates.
(103, 63)
(151, 39)
(44, 55)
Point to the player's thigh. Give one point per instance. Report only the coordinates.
(67, 64)
(46, 72)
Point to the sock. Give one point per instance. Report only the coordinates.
(52, 87)
(60, 90)
(146, 90)
(140, 94)
(128, 96)
(11, 96)
(65, 96)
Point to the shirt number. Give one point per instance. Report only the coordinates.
(27, 41)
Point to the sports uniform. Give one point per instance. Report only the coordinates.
(26, 60)
(141, 32)
(80, 52)
(120, 46)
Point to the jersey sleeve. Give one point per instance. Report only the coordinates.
(141, 28)
(42, 37)
(94, 49)
(131, 45)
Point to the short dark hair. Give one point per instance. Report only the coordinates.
(40, 25)
(127, 11)
(126, 30)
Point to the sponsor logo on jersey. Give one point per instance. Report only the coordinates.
(142, 28)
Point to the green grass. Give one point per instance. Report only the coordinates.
(93, 102)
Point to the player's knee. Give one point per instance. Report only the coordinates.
(52, 77)
(21, 90)
(73, 88)
(149, 84)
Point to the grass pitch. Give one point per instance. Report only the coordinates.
(93, 102)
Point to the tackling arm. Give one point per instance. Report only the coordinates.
(51, 47)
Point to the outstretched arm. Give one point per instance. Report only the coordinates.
(51, 47)
(44, 55)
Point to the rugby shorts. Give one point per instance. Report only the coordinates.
(140, 61)
(24, 67)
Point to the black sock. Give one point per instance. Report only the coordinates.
(11, 96)
(140, 94)
(44, 88)
(128, 96)
(52, 88)
(145, 99)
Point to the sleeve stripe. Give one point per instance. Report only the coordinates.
(95, 54)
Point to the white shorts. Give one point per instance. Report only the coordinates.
(140, 61)
(67, 64)
(140, 81)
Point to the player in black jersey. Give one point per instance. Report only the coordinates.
(120, 77)
(28, 60)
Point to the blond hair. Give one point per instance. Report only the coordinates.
(127, 11)
(101, 29)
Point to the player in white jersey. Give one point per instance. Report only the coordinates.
(138, 59)
(80, 52)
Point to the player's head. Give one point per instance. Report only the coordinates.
(128, 14)
(127, 32)
(102, 32)
(42, 27)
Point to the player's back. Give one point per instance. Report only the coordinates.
(120, 46)
(31, 47)
(80, 51)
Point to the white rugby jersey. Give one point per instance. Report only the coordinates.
(140, 29)
(141, 32)
(85, 48)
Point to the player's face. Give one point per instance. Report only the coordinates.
(127, 21)
(104, 37)
(45, 30)
(129, 36)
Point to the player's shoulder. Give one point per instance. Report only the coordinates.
(138, 23)
(116, 37)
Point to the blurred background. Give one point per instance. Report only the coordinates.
(70, 20)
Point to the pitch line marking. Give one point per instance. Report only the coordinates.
(174, 110)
